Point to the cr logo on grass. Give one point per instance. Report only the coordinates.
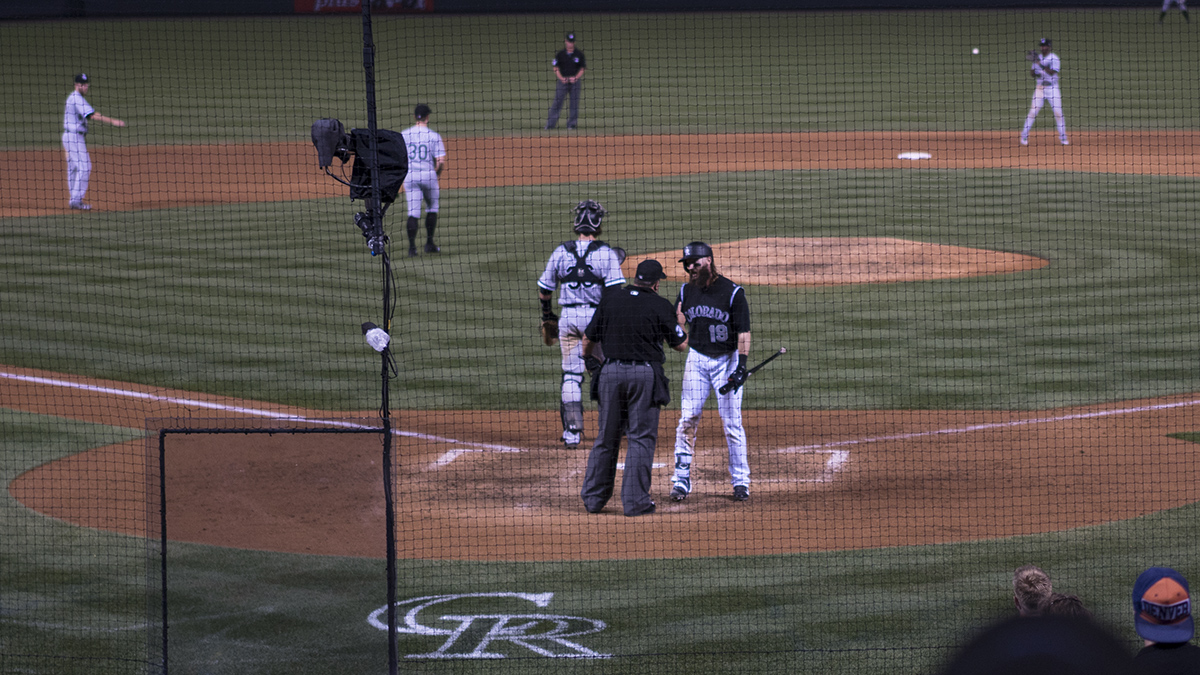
(473, 628)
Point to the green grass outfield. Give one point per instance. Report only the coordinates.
(263, 301)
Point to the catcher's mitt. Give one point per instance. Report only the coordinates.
(549, 330)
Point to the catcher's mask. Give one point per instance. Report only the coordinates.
(588, 215)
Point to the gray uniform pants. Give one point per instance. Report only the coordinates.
(575, 89)
(626, 392)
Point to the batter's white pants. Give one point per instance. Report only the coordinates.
(421, 187)
(1041, 95)
(703, 375)
(1182, 4)
(79, 165)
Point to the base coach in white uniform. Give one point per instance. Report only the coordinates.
(718, 317)
(75, 127)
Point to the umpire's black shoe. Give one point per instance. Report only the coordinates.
(431, 248)
(650, 509)
(741, 493)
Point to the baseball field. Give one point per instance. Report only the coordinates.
(993, 352)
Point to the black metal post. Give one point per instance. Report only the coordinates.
(375, 212)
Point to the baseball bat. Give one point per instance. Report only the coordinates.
(726, 388)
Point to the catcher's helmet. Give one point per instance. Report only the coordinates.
(588, 215)
(694, 250)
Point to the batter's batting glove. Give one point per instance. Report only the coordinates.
(738, 378)
(592, 364)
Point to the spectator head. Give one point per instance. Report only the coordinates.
(1042, 645)
(1162, 606)
(1065, 604)
(1031, 590)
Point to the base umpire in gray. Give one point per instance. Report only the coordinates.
(631, 324)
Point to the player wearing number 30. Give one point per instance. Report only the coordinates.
(426, 160)
(719, 336)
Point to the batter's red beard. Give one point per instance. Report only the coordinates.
(702, 276)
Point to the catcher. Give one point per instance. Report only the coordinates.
(581, 271)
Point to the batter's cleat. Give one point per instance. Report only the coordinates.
(412, 251)
(678, 494)
(1065, 142)
(431, 248)
(80, 206)
(572, 440)
(741, 493)
(1024, 141)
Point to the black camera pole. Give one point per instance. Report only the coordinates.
(375, 213)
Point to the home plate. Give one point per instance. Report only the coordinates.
(914, 155)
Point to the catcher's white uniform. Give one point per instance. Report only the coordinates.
(580, 270)
(1046, 68)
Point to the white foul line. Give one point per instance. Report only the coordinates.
(990, 425)
(241, 410)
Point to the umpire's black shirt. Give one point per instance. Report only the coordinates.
(632, 323)
(569, 63)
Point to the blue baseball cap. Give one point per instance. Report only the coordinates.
(1162, 606)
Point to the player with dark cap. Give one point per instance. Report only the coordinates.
(718, 315)
(426, 161)
(631, 324)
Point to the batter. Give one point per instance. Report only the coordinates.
(426, 160)
(580, 270)
(719, 336)
(1045, 70)
(75, 127)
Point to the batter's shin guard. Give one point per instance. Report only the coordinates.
(572, 416)
(413, 225)
(430, 226)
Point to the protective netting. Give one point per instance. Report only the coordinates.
(991, 345)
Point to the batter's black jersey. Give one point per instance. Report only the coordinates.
(716, 315)
(631, 324)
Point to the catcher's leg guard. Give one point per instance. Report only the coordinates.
(430, 226)
(412, 226)
(572, 416)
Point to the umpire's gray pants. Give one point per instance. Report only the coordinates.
(625, 409)
(561, 89)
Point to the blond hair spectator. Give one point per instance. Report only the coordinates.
(1031, 590)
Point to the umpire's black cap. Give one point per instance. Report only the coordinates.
(696, 249)
(650, 271)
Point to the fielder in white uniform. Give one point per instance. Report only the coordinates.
(719, 335)
(1167, 5)
(580, 270)
(75, 127)
(426, 160)
(1045, 69)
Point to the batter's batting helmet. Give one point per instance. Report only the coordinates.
(696, 249)
(588, 215)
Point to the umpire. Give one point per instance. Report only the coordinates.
(631, 324)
